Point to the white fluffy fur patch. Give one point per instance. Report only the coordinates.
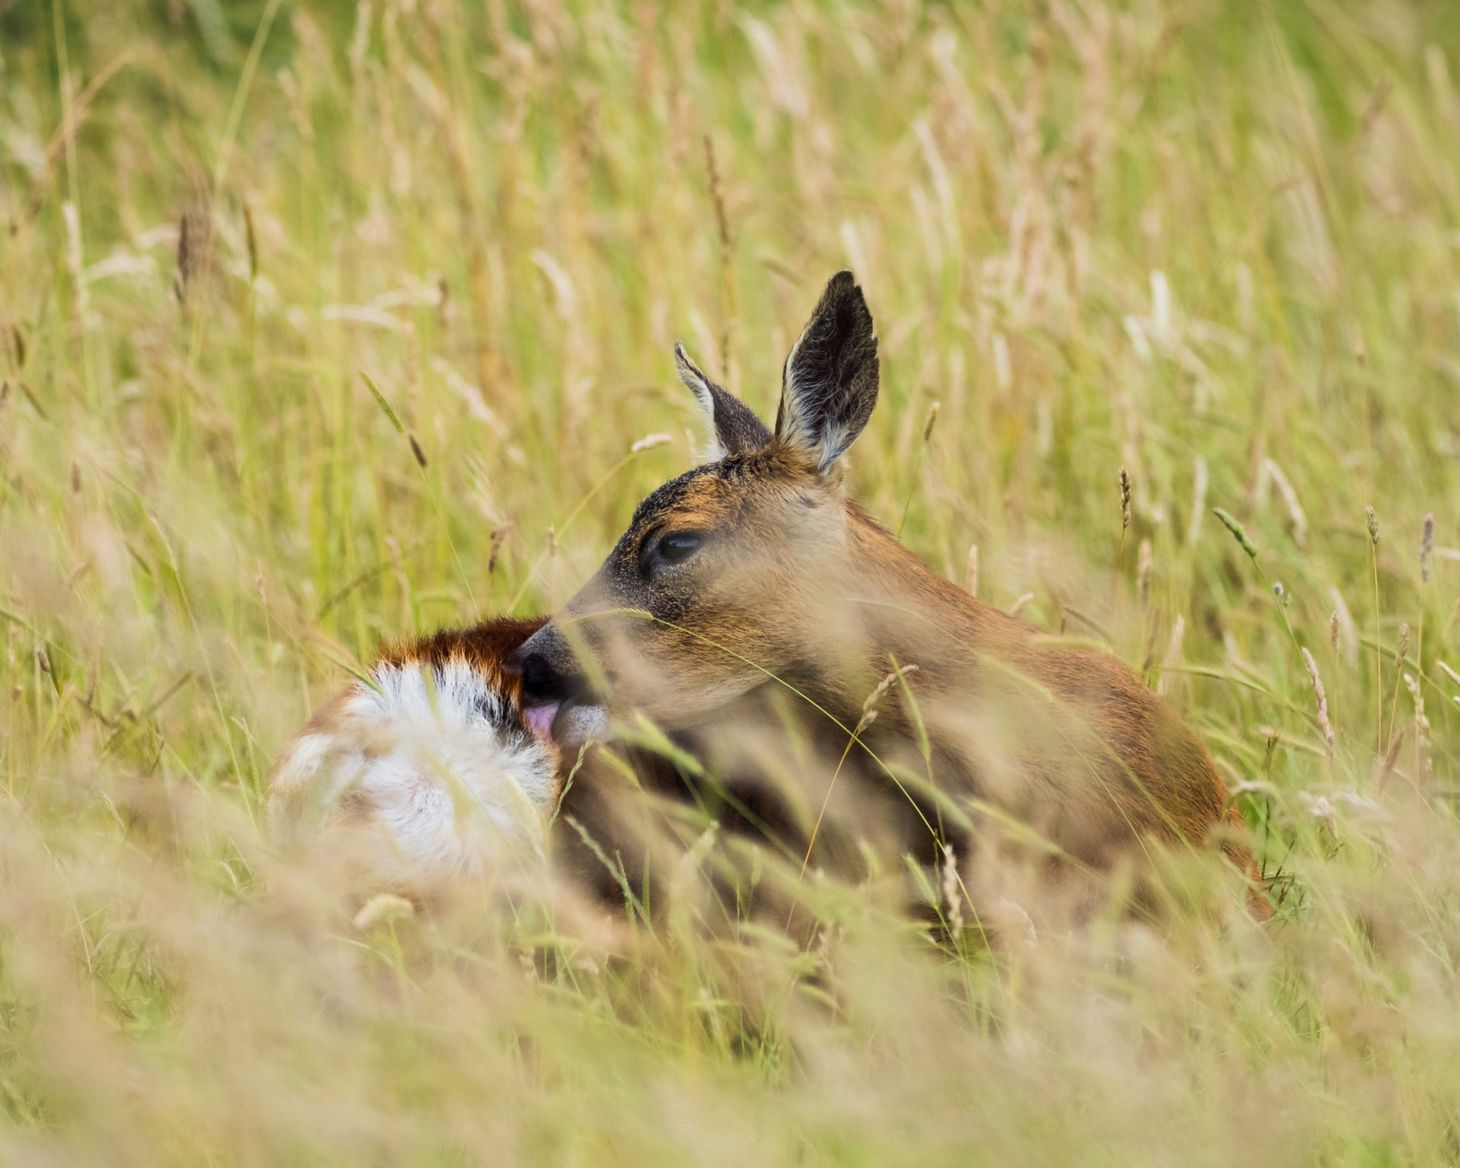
(427, 775)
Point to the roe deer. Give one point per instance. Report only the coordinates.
(750, 592)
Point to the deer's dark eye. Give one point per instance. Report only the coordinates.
(677, 546)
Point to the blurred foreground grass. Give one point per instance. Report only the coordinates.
(1216, 245)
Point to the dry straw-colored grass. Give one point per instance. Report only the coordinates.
(325, 323)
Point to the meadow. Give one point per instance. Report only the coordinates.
(323, 324)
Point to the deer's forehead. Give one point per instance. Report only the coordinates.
(693, 491)
(716, 496)
(704, 496)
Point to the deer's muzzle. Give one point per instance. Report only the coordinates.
(557, 700)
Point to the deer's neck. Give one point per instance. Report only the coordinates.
(897, 609)
(889, 571)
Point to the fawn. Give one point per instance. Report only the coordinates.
(424, 771)
(428, 770)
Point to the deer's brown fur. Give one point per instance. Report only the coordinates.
(750, 604)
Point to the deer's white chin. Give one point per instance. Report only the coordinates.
(579, 724)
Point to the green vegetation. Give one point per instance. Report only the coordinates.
(324, 324)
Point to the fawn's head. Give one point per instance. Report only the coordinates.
(732, 571)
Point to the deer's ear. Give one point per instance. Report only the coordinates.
(829, 385)
(734, 429)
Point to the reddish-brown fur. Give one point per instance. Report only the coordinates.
(487, 646)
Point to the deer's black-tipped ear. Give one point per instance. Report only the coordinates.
(734, 429)
(829, 385)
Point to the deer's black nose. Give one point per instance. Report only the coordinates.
(541, 683)
(549, 669)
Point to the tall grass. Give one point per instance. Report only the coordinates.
(321, 324)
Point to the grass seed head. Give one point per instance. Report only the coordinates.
(1239, 533)
(931, 423)
(251, 243)
(1318, 690)
(383, 909)
(1421, 727)
(952, 892)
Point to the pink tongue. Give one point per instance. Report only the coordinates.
(540, 719)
